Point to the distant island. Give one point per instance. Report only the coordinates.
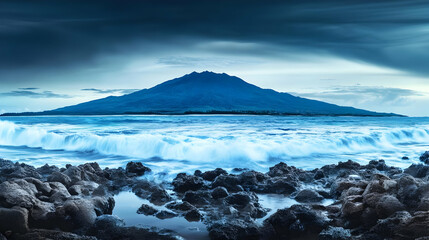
(206, 93)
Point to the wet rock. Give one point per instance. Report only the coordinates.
(42, 234)
(388, 205)
(18, 193)
(335, 233)
(14, 219)
(197, 197)
(108, 227)
(219, 192)
(146, 210)
(298, 221)
(60, 177)
(230, 182)
(387, 227)
(74, 173)
(165, 214)
(183, 206)
(159, 196)
(280, 169)
(184, 182)
(319, 175)
(405, 158)
(59, 192)
(424, 157)
(308, 196)
(136, 168)
(76, 213)
(279, 185)
(418, 170)
(211, 175)
(193, 215)
(234, 230)
(240, 199)
(151, 191)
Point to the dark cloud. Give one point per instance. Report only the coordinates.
(55, 33)
(107, 91)
(28, 88)
(33, 94)
(356, 95)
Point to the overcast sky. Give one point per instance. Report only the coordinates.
(367, 54)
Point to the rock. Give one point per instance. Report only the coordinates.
(308, 196)
(388, 226)
(44, 234)
(197, 197)
(388, 205)
(146, 210)
(76, 213)
(165, 214)
(352, 206)
(234, 230)
(18, 193)
(240, 199)
(230, 182)
(211, 175)
(280, 169)
(335, 233)
(405, 158)
(183, 206)
(74, 173)
(136, 168)
(14, 219)
(184, 182)
(425, 157)
(59, 192)
(280, 185)
(319, 175)
(193, 215)
(219, 192)
(60, 177)
(296, 222)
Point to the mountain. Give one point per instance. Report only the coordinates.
(209, 92)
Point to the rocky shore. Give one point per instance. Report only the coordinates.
(372, 201)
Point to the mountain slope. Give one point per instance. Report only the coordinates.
(209, 92)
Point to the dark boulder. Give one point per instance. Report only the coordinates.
(211, 175)
(219, 192)
(424, 157)
(335, 233)
(165, 214)
(234, 230)
(240, 199)
(184, 182)
(308, 196)
(14, 219)
(193, 215)
(136, 168)
(298, 221)
(230, 182)
(146, 210)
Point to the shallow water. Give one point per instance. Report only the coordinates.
(127, 203)
(172, 144)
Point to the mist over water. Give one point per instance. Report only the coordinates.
(172, 144)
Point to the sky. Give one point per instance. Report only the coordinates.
(366, 54)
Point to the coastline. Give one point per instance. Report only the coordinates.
(372, 201)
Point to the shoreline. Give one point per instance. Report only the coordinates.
(372, 201)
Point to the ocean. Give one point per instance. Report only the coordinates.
(173, 144)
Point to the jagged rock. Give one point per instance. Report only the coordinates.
(14, 219)
(425, 157)
(184, 182)
(136, 168)
(335, 233)
(165, 214)
(308, 196)
(211, 175)
(146, 210)
(60, 177)
(193, 215)
(219, 192)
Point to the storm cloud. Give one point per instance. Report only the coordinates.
(33, 94)
(51, 34)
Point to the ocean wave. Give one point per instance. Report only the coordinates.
(218, 148)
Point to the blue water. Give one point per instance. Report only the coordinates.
(172, 144)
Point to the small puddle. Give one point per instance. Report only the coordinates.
(278, 201)
(127, 203)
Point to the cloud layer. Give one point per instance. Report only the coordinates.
(50, 34)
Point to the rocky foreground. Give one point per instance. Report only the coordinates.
(371, 201)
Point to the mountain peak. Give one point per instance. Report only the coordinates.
(209, 92)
